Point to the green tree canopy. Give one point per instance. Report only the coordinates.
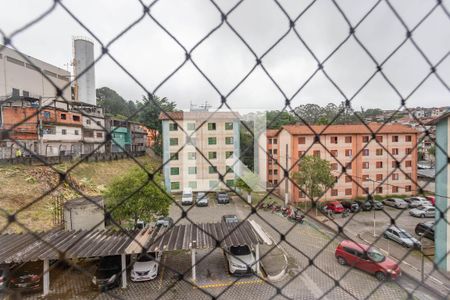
(145, 204)
(114, 104)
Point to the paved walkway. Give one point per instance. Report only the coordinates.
(273, 261)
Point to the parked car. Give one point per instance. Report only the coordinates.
(377, 205)
(108, 273)
(431, 199)
(395, 202)
(365, 205)
(4, 277)
(223, 198)
(402, 237)
(241, 260)
(352, 206)
(417, 201)
(426, 230)
(367, 258)
(230, 219)
(202, 199)
(164, 222)
(186, 197)
(26, 277)
(334, 206)
(140, 224)
(146, 267)
(423, 212)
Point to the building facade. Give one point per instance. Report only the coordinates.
(387, 166)
(199, 147)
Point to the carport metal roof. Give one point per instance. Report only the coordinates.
(83, 243)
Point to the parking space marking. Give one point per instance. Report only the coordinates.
(228, 283)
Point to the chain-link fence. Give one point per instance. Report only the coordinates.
(299, 239)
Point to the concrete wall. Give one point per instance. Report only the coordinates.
(84, 217)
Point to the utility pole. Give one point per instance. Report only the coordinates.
(40, 129)
(286, 193)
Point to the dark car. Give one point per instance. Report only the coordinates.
(352, 206)
(230, 219)
(164, 222)
(4, 277)
(365, 205)
(108, 273)
(223, 198)
(426, 230)
(26, 277)
(377, 205)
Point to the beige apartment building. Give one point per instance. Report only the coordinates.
(386, 165)
(200, 147)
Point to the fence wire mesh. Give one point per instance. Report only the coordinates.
(312, 276)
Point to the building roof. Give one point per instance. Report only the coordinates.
(438, 119)
(348, 129)
(174, 115)
(198, 115)
(272, 132)
(83, 201)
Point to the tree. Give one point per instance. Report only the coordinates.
(145, 204)
(276, 119)
(314, 176)
(114, 104)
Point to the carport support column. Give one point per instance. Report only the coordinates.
(46, 277)
(258, 271)
(124, 271)
(194, 272)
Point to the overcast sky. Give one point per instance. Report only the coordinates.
(151, 55)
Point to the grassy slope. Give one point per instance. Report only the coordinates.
(21, 187)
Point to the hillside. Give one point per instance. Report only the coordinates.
(22, 189)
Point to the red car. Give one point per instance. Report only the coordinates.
(368, 259)
(431, 199)
(335, 207)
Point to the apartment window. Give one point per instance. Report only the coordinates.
(175, 185)
(192, 155)
(230, 182)
(395, 138)
(334, 192)
(212, 184)
(231, 171)
(76, 132)
(229, 126)
(365, 177)
(192, 184)
(275, 172)
(98, 123)
(88, 122)
(348, 152)
(212, 155)
(379, 138)
(26, 93)
(173, 141)
(365, 139)
(64, 131)
(270, 141)
(379, 164)
(300, 153)
(212, 141)
(15, 61)
(395, 189)
(379, 177)
(63, 117)
(379, 152)
(301, 194)
(333, 139)
(173, 126)
(275, 151)
(407, 188)
(348, 178)
(408, 164)
(275, 181)
(334, 166)
(316, 153)
(365, 152)
(174, 171)
(275, 141)
(408, 151)
(408, 175)
(190, 126)
(174, 156)
(394, 151)
(76, 118)
(395, 176)
(192, 170)
(334, 153)
(408, 138)
(348, 166)
(211, 126)
(379, 190)
(15, 92)
(394, 164)
(270, 172)
(365, 165)
(228, 154)
(348, 192)
(212, 169)
(348, 139)
(228, 140)
(301, 140)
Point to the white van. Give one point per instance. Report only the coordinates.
(187, 198)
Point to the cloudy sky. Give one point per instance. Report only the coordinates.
(151, 55)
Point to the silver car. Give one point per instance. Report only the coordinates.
(424, 212)
(395, 202)
(417, 201)
(402, 237)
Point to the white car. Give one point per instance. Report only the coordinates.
(395, 202)
(186, 197)
(426, 211)
(241, 260)
(146, 267)
(417, 201)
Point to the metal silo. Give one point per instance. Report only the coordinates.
(84, 71)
